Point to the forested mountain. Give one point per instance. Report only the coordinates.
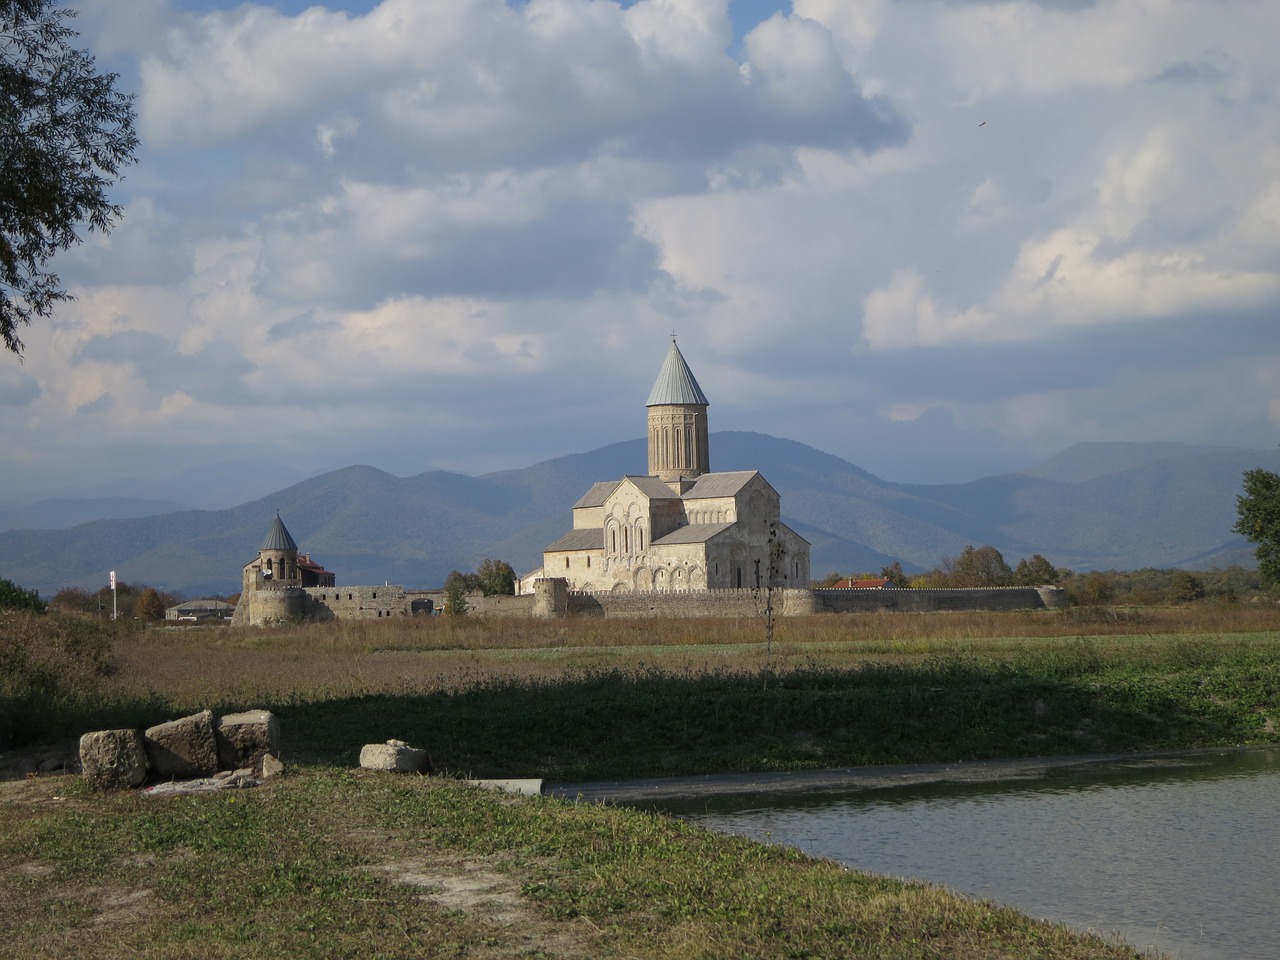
(1094, 506)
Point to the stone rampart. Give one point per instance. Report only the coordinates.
(930, 600)
(521, 606)
(791, 603)
(354, 603)
(691, 603)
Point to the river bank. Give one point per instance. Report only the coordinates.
(650, 792)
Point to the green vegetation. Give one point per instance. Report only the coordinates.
(14, 597)
(493, 578)
(67, 135)
(1258, 509)
(585, 699)
(323, 862)
(335, 864)
(128, 599)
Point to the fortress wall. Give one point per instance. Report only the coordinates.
(521, 606)
(790, 603)
(354, 603)
(927, 601)
(697, 603)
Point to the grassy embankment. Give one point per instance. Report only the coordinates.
(307, 865)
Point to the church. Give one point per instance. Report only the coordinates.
(680, 527)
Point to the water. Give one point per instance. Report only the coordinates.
(1183, 859)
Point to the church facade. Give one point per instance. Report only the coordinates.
(680, 527)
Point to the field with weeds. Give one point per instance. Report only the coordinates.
(330, 861)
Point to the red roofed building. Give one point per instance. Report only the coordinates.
(848, 583)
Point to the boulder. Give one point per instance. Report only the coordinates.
(395, 755)
(185, 748)
(245, 738)
(114, 759)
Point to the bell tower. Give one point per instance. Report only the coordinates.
(678, 447)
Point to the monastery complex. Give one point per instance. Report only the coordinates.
(679, 540)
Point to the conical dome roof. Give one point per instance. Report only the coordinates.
(675, 384)
(278, 538)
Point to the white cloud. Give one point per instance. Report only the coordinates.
(939, 215)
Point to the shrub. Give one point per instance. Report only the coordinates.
(14, 597)
(49, 665)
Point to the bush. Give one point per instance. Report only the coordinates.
(14, 597)
(50, 666)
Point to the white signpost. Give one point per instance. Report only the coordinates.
(113, 594)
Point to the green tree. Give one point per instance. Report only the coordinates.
(977, 567)
(65, 135)
(1094, 589)
(14, 597)
(496, 578)
(456, 587)
(895, 575)
(1258, 512)
(1185, 588)
(1035, 572)
(150, 605)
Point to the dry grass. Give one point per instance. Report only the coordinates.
(433, 654)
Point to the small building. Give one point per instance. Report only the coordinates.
(199, 611)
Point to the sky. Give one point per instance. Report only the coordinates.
(941, 239)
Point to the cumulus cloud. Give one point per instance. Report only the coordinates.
(1003, 224)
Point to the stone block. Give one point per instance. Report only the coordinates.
(184, 748)
(245, 738)
(395, 755)
(271, 767)
(114, 759)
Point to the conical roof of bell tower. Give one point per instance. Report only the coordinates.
(278, 538)
(676, 383)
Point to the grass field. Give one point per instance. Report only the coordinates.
(332, 862)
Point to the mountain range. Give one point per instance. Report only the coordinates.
(1093, 506)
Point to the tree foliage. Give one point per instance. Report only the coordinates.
(978, 567)
(895, 575)
(150, 605)
(496, 578)
(493, 578)
(456, 587)
(65, 134)
(14, 597)
(1258, 512)
(1036, 572)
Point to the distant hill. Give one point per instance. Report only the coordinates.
(62, 513)
(1094, 506)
